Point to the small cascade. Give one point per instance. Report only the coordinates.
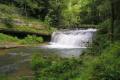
(72, 38)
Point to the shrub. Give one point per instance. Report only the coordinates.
(31, 39)
(55, 68)
(7, 38)
(104, 67)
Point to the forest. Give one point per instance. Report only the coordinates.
(27, 24)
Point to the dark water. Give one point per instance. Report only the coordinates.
(12, 59)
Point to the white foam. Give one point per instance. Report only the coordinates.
(71, 39)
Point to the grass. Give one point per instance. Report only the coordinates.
(5, 38)
(30, 39)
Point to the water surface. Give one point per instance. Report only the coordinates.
(12, 59)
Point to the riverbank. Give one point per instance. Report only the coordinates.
(9, 46)
(8, 41)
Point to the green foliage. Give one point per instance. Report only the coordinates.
(55, 68)
(32, 40)
(70, 12)
(11, 18)
(104, 67)
(61, 12)
(101, 39)
(8, 11)
(6, 38)
(53, 12)
(23, 78)
(8, 22)
(101, 63)
(3, 77)
(117, 30)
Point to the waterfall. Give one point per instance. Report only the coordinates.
(71, 38)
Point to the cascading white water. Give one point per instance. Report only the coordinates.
(71, 38)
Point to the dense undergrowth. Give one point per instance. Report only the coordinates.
(105, 66)
(55, 68)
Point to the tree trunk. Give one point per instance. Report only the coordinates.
(112, 21)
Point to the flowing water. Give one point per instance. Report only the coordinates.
(66, 43)
(72, 39)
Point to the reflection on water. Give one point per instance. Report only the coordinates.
(70, 52)
(12, 59)
(23, 52)
(64, 52)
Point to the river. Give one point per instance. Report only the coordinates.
(68, 43)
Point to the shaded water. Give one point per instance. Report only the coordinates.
(12, 59)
